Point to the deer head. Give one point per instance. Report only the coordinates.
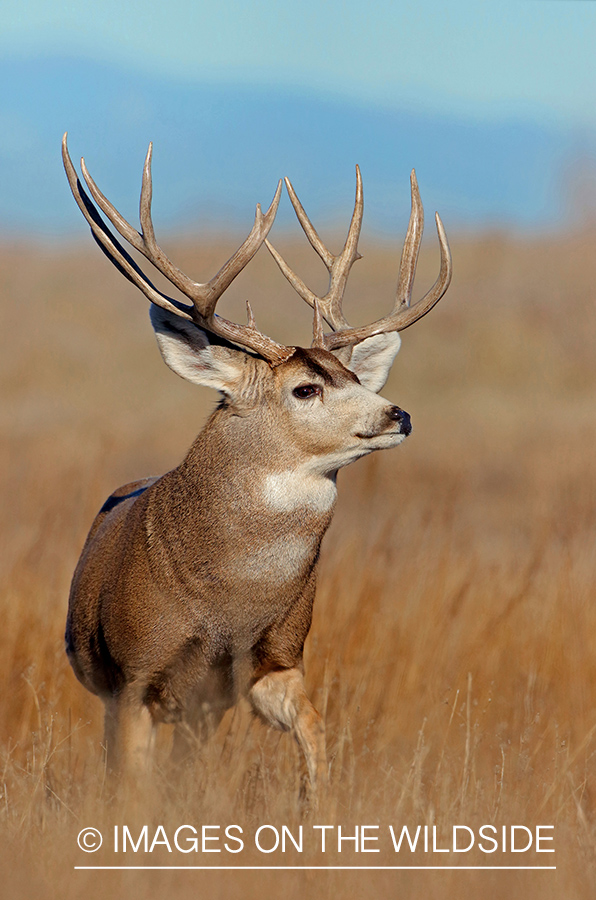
(322, 396)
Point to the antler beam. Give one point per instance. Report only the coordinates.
(204, 297)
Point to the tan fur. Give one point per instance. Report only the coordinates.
(197, 587)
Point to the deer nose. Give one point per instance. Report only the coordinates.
(402, 418)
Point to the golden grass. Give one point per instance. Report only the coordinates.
(453, 648)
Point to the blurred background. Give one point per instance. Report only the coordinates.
(494, 103)
(453, 648)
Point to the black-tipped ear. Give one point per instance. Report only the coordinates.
(187, 350)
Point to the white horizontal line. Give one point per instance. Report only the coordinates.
(318, 868)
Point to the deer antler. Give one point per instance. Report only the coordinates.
(329, 307)
(337, 266)
(204, 297)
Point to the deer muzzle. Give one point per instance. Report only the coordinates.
(395, 414)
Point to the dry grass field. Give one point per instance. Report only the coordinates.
(453, 648)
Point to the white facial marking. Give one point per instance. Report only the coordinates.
(286, 491)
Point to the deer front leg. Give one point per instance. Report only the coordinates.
(203, 708)
(194, 731)
(280, 698)
(129, 733)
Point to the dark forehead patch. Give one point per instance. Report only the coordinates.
(325, 365)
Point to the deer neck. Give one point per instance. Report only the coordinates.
(240, 515)
(239, 473)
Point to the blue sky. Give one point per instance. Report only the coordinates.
(493, 101)
(485, 60)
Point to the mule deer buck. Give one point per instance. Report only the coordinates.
(197, 588)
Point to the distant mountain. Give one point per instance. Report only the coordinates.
(218, 149)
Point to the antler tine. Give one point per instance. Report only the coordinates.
(337, 266)
(244, 253)
(409, 256)
(349, 255)
(296, 282)
(148, 246)
(402, 316)
(112, 247)
(308, 228)
(145, 241)
(318, 335)
(203, 296)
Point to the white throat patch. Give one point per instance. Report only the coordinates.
(286, 491)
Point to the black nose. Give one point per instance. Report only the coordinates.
(398, 415)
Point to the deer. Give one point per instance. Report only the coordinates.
(196, 588)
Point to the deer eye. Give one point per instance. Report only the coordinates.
(305, 391)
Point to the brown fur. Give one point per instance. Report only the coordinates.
(197, 587)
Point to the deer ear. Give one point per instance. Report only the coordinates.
(187, 350)
(372, 359)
